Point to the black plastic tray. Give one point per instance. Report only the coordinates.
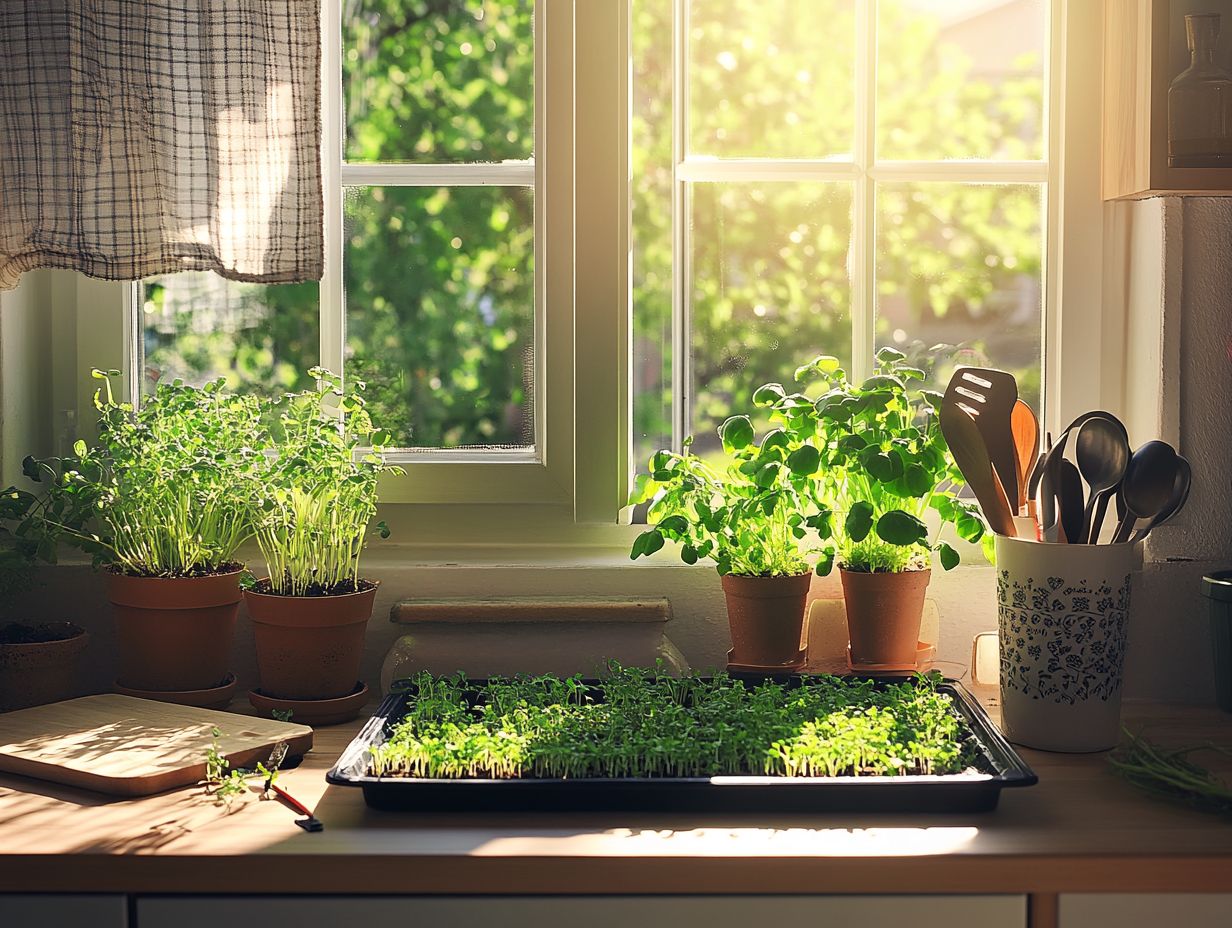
(965, 792)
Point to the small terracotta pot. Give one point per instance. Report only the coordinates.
(309, 647)
(40, 672)
(766, 617)
(174, 633)
(884, 611)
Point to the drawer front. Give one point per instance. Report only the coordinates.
(1145, 910)
(588, 911)
(51, 911)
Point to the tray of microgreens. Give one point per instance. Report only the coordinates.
(640, 740)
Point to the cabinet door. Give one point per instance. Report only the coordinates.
(590, 911)
(1146, 910)
(50, 911)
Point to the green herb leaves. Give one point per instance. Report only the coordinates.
(872, 454)
(173, 489)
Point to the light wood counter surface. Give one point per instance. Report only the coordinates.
(1080, 830)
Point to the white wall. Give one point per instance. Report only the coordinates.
(26, 419)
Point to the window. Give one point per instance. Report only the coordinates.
(831, 177)
(431, 202)
(788, 177)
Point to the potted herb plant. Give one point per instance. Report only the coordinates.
(883, 465)
(312, 504)
(753, 519)
(38, 663)
(159, 501)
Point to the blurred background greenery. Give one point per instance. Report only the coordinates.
(439, 282)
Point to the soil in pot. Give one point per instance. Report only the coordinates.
(38, 664)
(174, 633)
(309, 647)
(883, 616)
(766, 617)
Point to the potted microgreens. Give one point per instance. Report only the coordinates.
(158, 501)
(883, 465)
(753, 520)
(311, 506)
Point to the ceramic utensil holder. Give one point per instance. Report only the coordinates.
(1063, 623)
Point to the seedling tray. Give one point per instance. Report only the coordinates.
(951, 793)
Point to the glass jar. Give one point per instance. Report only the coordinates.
(1200, 102)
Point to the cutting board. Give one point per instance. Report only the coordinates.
(126, 746)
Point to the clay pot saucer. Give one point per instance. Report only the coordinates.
(795, 665)
(214, 697)
(314, 712)
(924, 655)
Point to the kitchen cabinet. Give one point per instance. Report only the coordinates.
(1146, 910)
(1144, 49)
(591, 911)
(51, 911)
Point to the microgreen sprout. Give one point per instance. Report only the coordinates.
(224, 783)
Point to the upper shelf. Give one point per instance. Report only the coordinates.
(1144, 49)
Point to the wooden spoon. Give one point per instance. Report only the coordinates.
(1025, 428)
(966, 444)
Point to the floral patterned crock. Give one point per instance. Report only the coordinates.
(1064, 622)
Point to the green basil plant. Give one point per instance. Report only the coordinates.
(845, 475)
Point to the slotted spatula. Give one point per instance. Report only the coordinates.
(989, 396)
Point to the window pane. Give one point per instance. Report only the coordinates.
(447, 81)
(960, 79)
(960, 264)
(440, 303)
(651, 150)
(197, 326)
(770, 290)
(771, 78)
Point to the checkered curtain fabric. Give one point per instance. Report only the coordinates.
(143, 137)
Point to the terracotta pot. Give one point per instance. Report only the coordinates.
(309, 647)
(40, 672)
(766, 616)
(883, 616)
(174, 633)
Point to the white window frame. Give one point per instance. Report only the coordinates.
(567, 496)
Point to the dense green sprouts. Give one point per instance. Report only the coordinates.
(161, 493)
(638, 724)
(318, 490)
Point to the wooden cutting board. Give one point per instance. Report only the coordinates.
(126, 746)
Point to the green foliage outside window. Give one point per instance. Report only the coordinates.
(439, 283)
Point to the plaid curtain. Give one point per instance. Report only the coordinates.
(143, 137)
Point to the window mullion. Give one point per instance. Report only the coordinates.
(682, 375)
(864, 242)
(333, 325)
(499, 174)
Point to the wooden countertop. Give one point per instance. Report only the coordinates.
(1080, 829)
